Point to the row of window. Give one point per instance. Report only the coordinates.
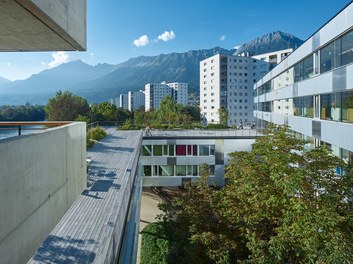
(344, 154)
(178, 150)
(337, 53)
(173, 170)
(334, 106)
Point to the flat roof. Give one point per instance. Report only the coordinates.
(202, 134)
(94, 224)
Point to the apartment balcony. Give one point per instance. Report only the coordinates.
(41, 176)
(57, 210)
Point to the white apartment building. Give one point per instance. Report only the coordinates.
(226, 82)
(311, 90)
(123, 101)
(154, 93)
(180, 92)
(136, 100)
(114, 101)
(274, 57)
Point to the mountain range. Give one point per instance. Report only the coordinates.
(104, 81)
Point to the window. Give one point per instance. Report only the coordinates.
(347, 48)
(180, 170)
(347, 107)
(212, 150)
(326, 58)
(166, 170)
(204, 150)
(298, 72)
(168, 150)
(303, 106)
(147, 171)
(180, 150)
(191, 170)
(308, 67)
(146, 150)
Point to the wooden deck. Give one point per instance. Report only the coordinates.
(91, 231)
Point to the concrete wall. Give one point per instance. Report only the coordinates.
(41, 175)
(65, 17)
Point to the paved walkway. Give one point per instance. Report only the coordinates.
(149, 211)
(91, 230)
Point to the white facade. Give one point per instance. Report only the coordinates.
(311, 90)
(155, 92)
(123, 101)
(175, 157)
(180, 91)
(136, 100)
(226, 82)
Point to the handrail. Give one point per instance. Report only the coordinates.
(35, 123)
(21, 124)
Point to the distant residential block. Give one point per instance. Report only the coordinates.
(136, 100)
(154, 93)
(274, 57)
(123, 101)
(226, 82)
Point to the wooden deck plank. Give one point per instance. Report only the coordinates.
(84, 233)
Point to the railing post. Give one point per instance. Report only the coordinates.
(19, 130)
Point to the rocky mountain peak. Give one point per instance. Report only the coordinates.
(270, 42)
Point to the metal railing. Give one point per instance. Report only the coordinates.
(219, 133)
(20, 127)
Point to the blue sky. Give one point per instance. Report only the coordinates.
(118, 30)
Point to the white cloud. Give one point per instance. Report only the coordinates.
(166, 36)
(92, 55)
(60, 57)
(43, 63)
(222, 38)
(9, 64)
(141, 41)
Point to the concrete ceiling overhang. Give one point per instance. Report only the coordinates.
(42, 25)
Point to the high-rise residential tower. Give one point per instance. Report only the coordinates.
(136, 100)
(154, 93)
(226, 82)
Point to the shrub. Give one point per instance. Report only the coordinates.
(216, 126)
(95, 134)
(155, 244)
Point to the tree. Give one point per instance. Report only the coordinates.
(66, 107)
(104, 112)
(289, 203)
(223, 114)
(281, 204)
(169, 112)
(193, 111)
